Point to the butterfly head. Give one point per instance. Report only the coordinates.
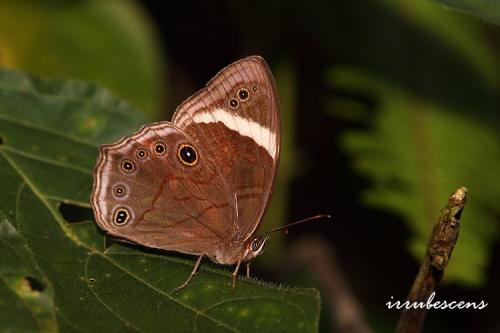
(256, 247)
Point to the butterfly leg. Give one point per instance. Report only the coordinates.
(235, 273)
(248, 270)
(193, 272)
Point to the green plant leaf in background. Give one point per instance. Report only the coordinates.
(109, 42)
(59, 276)
(488, 10)
(422, 146)
(285, 74)
(415, 155)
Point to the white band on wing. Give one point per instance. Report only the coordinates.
(246, 127)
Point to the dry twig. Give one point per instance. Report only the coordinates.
(443, 239)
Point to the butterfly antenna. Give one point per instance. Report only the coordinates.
(312, 218)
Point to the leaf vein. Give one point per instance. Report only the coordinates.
(161, 292)
(49, 130)
(46, 160)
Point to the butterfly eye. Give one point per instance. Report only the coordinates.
(160, 148)
(121, 216)
(255, 245)
(128, 166)
(187, 154)
(233, 103)
(258, 244)
(141, 153)
(243, 94)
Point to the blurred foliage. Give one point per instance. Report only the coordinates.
(485, 9)
(286, 81)
(416, 154)
(417, 147)
(109, 42)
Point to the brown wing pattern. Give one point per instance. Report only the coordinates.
(170, 205)
(236, 118)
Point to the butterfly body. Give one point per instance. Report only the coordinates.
(201, 183)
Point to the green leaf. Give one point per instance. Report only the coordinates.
(463, 39)
(285, 74)
(22, 308)
(416, 153)
(488, 10)
(109, 42)
(59, 276)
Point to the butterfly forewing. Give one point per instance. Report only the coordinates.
(237, 118)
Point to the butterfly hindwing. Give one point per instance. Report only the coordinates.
(165, 203)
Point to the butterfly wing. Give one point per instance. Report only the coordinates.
(236, 119)
(145, 193)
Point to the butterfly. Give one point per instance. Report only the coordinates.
(201, 183)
